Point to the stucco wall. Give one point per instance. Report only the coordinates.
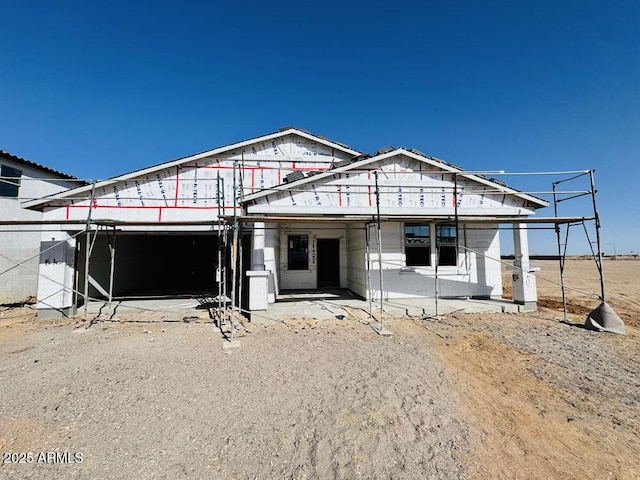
(21, 244)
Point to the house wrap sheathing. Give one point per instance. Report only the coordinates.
(306, 211)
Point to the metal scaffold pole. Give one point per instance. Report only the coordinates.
(112, 264)
(240, 279)
(238, 226)
(455, 206)
(603, 317)
(367, 234)
(234, 252)
(88, 248)
(598, 244)
(435, 278)
(562, 249)
(380, 329)
(561, 257)
(219, 270)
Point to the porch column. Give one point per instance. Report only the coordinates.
(271, 236)
(523, 281)
(257, 256)
(258, 275)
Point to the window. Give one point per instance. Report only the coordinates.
(298, 257)
(9, 181)
(446, 240)
(417, 245)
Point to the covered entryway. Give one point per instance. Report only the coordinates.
(328, 263)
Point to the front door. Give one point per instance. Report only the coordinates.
(328, 263)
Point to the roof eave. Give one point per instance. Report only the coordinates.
(37, 166)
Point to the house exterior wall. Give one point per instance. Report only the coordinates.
(21, 244)
(477, 273)
(356, 252)
(307, 279)
(484, 252)
(408, 187)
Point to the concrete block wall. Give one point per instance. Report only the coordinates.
(474, 276)
(19, 282)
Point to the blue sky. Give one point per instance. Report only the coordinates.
(98, 88)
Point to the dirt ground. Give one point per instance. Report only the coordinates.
(528, 396)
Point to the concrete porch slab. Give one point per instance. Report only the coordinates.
(320, 305)
(309, 305)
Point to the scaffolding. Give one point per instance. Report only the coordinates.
(226, 304)
(556, 223)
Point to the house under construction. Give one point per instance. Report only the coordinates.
(288, 210)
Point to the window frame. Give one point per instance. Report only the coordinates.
(10, 188)
(411, 259)
(301, 263)
(447, 243)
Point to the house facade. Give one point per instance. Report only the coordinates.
(438, 230)
(23, 180)
(292, 209)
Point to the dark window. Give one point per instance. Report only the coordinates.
(298, 258)
(9, 181)
(446, 241)
(417, 245)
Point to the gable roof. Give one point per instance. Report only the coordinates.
(37, 166)
(363, 161)
(180, 161)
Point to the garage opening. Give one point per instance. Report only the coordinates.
(153, 265)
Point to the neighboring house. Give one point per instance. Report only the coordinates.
(22, 180)
(308, 209)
